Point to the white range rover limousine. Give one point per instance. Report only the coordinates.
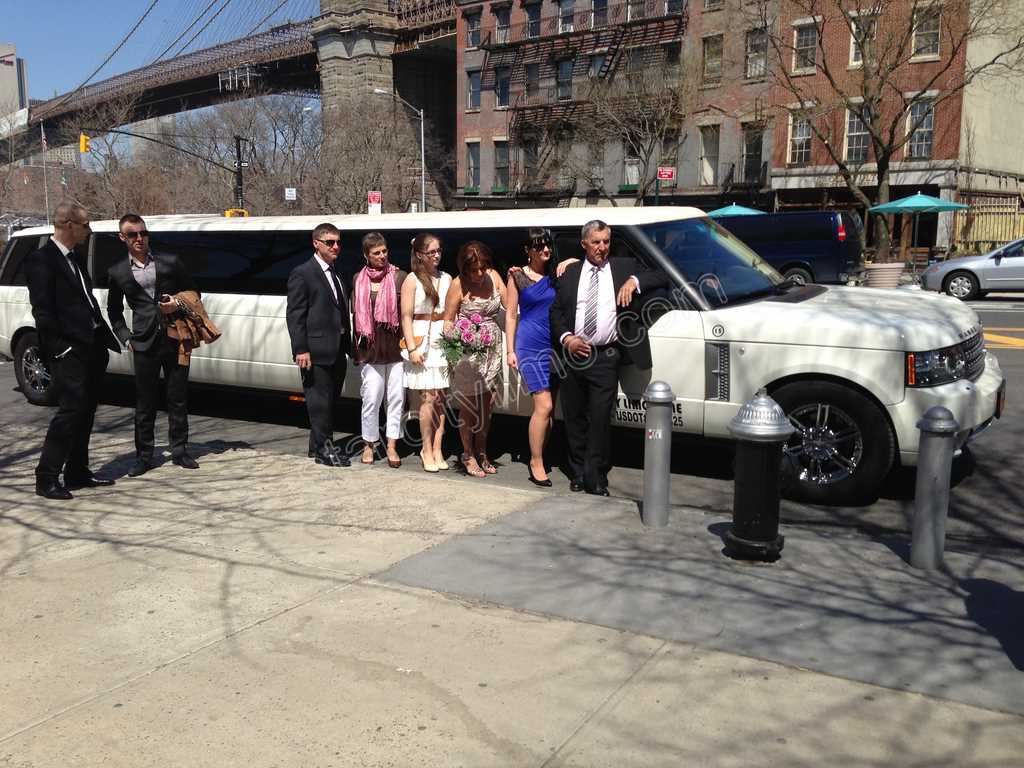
(855, 368)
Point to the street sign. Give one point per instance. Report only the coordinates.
(373, 202)
(666, 173)
(290, 194)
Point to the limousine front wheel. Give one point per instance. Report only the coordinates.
(843, 446)
(31, 370)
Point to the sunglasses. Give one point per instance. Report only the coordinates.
(540, 243)
(331, 243)
(134, 235)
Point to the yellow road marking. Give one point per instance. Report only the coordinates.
(1004, 329)
(1004, 341)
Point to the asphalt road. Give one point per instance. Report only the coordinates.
(986, 501)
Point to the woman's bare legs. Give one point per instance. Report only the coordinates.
(539, 429)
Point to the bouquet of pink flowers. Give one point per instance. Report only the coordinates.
(467, 336)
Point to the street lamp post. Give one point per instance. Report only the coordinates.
(423, 144)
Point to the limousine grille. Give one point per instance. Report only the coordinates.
(973, 350)
(716, 367)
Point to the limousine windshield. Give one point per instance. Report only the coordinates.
(712, 258)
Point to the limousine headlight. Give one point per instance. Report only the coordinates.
(940, 366)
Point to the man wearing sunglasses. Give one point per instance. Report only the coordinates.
(75, 339)
(318, 324)
(149, 281)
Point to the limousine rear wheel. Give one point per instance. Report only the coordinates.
(31, 370)
(843, 446)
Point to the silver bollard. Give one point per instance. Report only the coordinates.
(931, 494)
(657, 453)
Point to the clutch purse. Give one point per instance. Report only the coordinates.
(404, 351)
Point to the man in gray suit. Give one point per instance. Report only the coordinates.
(319, 327)
(149, 281)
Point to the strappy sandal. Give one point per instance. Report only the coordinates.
(477, 472)
(485, 464)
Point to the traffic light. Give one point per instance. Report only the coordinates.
(83, 143)
(236, 212)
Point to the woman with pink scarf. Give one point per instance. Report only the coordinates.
(375, 302)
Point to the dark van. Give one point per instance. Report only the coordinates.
(805, 246)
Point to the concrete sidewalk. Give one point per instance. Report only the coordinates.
(264, 611)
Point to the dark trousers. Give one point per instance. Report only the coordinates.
(76, 378)
(588, 399)
(162, 355)
(321, 385)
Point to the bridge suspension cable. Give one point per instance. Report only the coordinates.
(186, 31)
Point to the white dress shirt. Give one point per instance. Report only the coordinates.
(606, 315)
(329, 275)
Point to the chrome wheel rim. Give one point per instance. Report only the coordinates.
(961, 286)
(797, 278)
(35, 374)
(827, 446)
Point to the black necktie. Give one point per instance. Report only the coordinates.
(337, 286)
(93, 306)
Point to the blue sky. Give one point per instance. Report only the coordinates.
(63, 41)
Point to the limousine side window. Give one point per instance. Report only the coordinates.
(505, 244)
(14, 266)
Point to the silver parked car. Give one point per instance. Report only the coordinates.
(974, 276)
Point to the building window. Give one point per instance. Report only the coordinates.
(753, 141)
(502, 77)
(630, 165)
(473, 165)
(596, 64)
(799, 140)
(757, 54)
(473, 93)
(857, 138)
(533, 20)
(532, 81)
(862, 31)
(635, 9)
(595, 154)
(805, 47)
(566, 11)
(922, 115)
(708, 160)
(634, 61)
(673, 7)
(669, 150)
(501, 25)
(563, 80)
(473, 30)
(926, 32)
(672, 53)
(712, 71)
(530, 158)
(500, 165)
(599, 13)
(713, 5)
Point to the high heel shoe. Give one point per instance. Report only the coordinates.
(442, 464)
(542, 483)
(486, 465)
(428, 466)
(466, 458)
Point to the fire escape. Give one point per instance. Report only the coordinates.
(540, 117)
(421, 21)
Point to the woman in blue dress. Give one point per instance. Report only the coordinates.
(531, 290)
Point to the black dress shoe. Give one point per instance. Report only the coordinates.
(575, 486)
(599, 492)
(89, 481)
(140, 468)
(185, 461)
(535, 481)
(332, 458)
(51, 489)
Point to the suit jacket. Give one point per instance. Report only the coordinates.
(636, 348)
(316, 322)
(171, 278)
(63, 314)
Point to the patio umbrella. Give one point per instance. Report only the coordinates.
(916, 204)
(735, 210)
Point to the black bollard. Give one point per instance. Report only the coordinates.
(761, 429)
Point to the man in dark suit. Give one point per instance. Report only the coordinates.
(149, 281)
(318, 324)
(75, 339)
(595, 322)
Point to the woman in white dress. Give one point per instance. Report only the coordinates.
(426, 367)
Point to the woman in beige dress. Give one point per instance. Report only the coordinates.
(426, 368)
(476, 296)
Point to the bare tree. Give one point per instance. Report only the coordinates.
(876, 77)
